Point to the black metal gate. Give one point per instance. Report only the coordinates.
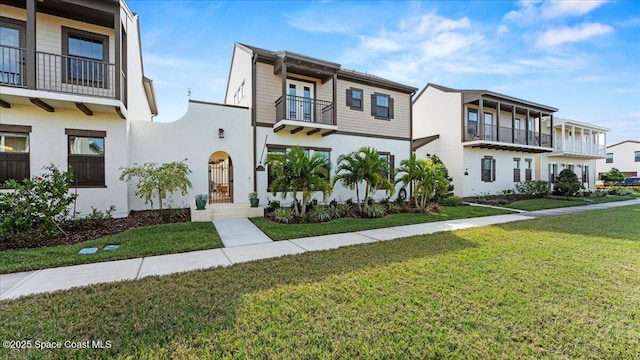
(220, 181)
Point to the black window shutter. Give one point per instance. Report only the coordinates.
(374, 105)
(482, 177)
(390, 108)
(493, 170)
(392, 165)
(349, 97)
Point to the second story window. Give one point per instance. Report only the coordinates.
(354, 98)
(472, 124)
(636, 156)
(609, 158)
(86, 56)
(381, 106)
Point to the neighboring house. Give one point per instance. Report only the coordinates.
(624, 156)
(488, 141)
(71, 79)
(577, 146)
(274, 101)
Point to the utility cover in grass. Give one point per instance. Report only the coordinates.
(87, 251)
(111, 247)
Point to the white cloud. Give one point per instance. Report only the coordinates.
(502, 29)
(381, 43)
(534, 11)
(561, 35)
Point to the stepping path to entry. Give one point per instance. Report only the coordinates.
(238, 232)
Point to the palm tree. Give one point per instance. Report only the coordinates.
(349, 172)
(295, 172)
(427, 177)
(375, 172)
(411, 170)
(363, 165)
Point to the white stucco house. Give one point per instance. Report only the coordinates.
(71, 81)
(624, 156)
(491, 141)
(274, 101)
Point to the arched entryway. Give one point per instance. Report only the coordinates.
(220, 178)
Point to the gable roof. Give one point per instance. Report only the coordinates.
(622, 142)
(272, 57)
(490, 93)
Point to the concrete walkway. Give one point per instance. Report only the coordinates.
(33, 282)
(238, 232)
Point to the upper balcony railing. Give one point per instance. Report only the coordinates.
(305, 109)
(580, 147)
(508, 135)
(59, 73)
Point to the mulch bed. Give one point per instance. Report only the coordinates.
(495, 200)
(80, 231)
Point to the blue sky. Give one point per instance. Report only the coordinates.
(582, 57)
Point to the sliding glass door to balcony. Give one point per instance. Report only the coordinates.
(12, 54)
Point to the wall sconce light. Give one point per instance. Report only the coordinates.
(221, 133)
(466, 172)
(428, 155)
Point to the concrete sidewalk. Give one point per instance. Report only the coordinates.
(238, 232)
(33, 282)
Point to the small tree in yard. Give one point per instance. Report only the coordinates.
(41, 203)
(160, 181)
(567, 183)
(614, 176)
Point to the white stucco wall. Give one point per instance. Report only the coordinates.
(339, 144)
(195, 137)
(436, 112)
(240, 71)
(563, 162)
(48, 145)
(473, 184)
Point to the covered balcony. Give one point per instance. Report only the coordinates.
(302, 114)
(499, 122)
(579, 140)
(82, 73)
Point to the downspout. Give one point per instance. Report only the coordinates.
(253, 120)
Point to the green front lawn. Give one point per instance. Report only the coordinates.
(139, 242)
(558, 287)
(278, 231)
(558, 202)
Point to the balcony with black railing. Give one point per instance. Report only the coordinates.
(59, 73)
(506, 138)
(297, 113)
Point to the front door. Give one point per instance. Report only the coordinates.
(300, 100)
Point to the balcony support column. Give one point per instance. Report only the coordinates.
(283, 71)
(513, 124)
(30, 59)
(573, 138)
(117, 31)
(481, 118)
(551, 131)
(527, 127)
(563, 137)
(497, 122)
(540, 129)
(335, 99)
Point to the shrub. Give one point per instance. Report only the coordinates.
(335, 212)
(39, 203)
(349, 202)
(567, 183)
(533, 189)
(384, 201)
(283, 215)
(98, 217)
(333, 203)
(614, 176)
(272, 205)
(320, 214)
(451, 201)
(506, 193)
(598, 193)
(375, 211)
(621, 192)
